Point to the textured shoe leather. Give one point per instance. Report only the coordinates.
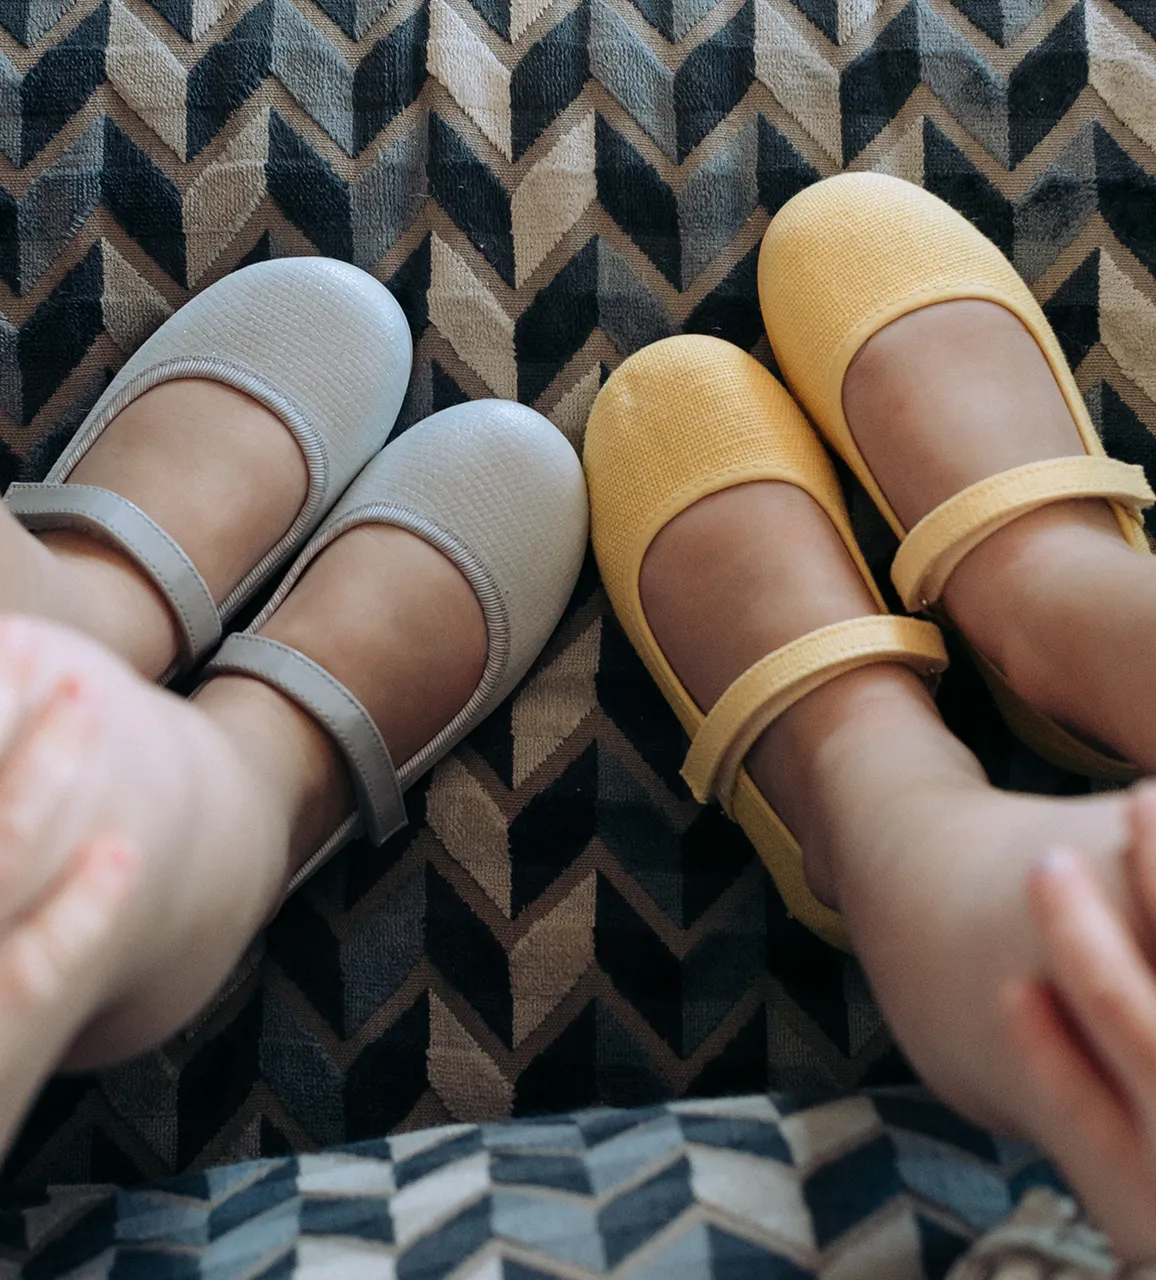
(109, 516)
(500, 492)
(309, 685)
(840, 261)
(682, 419)
(320, 343)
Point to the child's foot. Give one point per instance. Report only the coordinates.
(216, 470)
(959, 391)
(740, 574)
(899, 828)
(397, 624)
(420, 639)
(224, 797)
(292, 373)
(139, 762)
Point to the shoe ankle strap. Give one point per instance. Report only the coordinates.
(380, 802)
(764, 691)
(935, 546)
(116, 520)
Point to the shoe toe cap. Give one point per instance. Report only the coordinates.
(506, 488)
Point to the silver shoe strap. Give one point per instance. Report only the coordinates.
(331, 704)
(108, 516)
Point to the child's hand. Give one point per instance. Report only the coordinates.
(49, 797)
(46, 960)
(1087, 1032)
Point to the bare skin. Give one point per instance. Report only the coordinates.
(215, 469)
(396, 623)
(142, 762)
(1058, 600)
(51, 956)
(381, 609)
(934, 871)
(931, 867)
(239, 767)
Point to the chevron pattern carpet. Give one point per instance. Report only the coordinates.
(890, 1187)
(547, 185)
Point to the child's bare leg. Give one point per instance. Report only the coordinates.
(50, 958)
(899, 827)
(187, 801)
(224, 477)
(394, 621)
(957, 392)
(221, 798)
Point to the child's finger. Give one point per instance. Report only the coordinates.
(45, 951)
(48, 962)
(16, 648)
(44, 786)
(1083, 1125)
(1095, 965)
(1141, 853)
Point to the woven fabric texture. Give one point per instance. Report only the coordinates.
(546, 185)
(886, 1187)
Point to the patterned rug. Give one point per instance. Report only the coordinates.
(882, 1187)
(547, 185)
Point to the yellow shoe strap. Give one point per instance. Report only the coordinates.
(931, 551)
(763, 692)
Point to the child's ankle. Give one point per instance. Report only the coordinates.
(811, 762)
(98, 591)
(1025, 580)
